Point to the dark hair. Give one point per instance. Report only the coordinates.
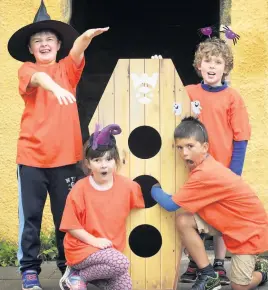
(112, 153)
(45, 31)
(191, 127)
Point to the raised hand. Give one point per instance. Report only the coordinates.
(91, 33)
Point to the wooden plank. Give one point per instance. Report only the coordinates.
(107, 104)
(93, 121)
(167, 119)
(181, 98)
(121, 84)
(137, 168)
(152, 167)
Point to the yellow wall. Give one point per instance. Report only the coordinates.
(250, 76)
(13, 15)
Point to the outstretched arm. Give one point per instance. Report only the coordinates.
(41, 79)
(163, 199)
(82, 42)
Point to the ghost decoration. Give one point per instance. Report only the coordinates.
(177, 109)
(144, 85)
(196, 107)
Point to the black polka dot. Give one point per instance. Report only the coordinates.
(146, 182)
(144, 142)
(145, 241)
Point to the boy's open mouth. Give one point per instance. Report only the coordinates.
(211, 74)
(104, 173)
(188, 161)
(44, 51)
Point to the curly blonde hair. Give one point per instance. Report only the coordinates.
(214, 47)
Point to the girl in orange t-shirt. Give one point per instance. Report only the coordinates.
(94, 219)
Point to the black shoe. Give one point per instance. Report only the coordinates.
(222, 275)
(189, 276)
(204, 282)
(262, 266)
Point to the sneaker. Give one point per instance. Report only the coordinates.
(75, 282)
(30, 280)
(262, 266)
(204, 282)
(222, 274)
(189, 276)
(62, 282)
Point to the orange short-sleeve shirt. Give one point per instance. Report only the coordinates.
(227, 203)
(103, 214)
(225, 117)
(50, 134)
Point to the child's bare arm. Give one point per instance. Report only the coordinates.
(41, 79)
(89, 239)
(82, 42)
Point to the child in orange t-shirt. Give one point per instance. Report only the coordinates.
(95, 217)
(222, 110)
(218, 202)
(50, 143)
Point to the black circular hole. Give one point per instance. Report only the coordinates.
(144, 142)
(145, 241)
(146, 182)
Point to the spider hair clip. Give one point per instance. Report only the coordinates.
(206, 31)
(229, 34)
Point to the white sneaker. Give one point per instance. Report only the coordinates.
(62, 282)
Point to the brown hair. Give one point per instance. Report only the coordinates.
(112, 152)
(214, 47)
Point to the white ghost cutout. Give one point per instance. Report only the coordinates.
(196, 107)
(143, 85)
(177, 109)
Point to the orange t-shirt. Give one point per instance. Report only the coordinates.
(103, 214)
(226, 202)
(50, 134)
(225, 117)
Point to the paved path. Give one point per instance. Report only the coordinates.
(49, 277)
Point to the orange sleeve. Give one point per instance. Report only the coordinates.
(74, 72)
(196, 194)
(25, 74)
(189, 90)
(239, 119)
(136, 197)
(73, 212)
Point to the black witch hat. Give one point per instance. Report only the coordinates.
(18, 43)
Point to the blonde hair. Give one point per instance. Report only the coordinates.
(214, 47)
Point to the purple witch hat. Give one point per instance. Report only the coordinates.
(104, 139)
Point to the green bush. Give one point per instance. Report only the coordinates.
(8, 254)
(8, 250)
(48, 250)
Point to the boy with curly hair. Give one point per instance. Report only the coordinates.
(223, 112)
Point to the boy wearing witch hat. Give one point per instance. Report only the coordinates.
(50, 143)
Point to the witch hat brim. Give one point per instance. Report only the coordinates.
(19, 41)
